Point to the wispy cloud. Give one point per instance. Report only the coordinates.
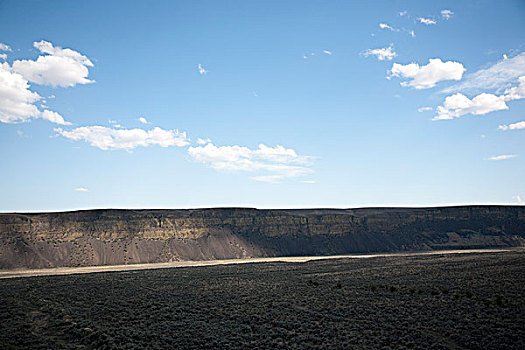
(424, 109)
(518, 199)
(495, 78)
(426, 21)
(424, 77)
(125, 139)
(382, 54)
(203, 141)
(328, 52)
(403, 13)
(446, 14)
(81, 189)
(202, 71)
(502, 157)
(275, 163)
(143, 120)
(4, 47)
(308, 181)
(386, 26)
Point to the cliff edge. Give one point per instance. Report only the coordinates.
(112, 236)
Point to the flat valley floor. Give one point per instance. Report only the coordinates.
(449, 301)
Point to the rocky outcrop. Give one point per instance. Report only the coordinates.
(101, 237)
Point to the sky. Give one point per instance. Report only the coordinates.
(267, 104)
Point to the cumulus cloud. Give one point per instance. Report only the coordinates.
(386, 53)
(514, 126)
(386, 26)
(81, 189)
(57, 67)
(426, 21)
(3, 56)
(17, 102)
(502, 157)
(4, 47)
(202, 71)
(276, 163)
(424, 77)
(126, 139)
(458, 104)
(203, 141)
(143, 120)
(446, 14)
(496, 77)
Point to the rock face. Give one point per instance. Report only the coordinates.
(108, 237)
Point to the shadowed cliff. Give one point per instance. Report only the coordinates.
(108, 237)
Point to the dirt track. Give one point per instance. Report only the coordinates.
(134, 267)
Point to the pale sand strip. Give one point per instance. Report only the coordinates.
(296, 259)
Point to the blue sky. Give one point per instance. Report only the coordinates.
(267, 104)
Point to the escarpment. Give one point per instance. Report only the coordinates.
(100, 237)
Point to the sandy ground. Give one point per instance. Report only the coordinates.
(297, 259)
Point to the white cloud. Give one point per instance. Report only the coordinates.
(516, 92)
(114, 139)
(202, 71)
(502, 157)
(17, 102)
(424, 77)
(3, 56)
(58, 67)
(514, 126)
(276, 163)
(446, 14)
(53, 117)
(81, 189)
(308, 181)
(4, 47)
(424, 109)
(457, 105)
(203, 141)
(518, 199)
(386, 53)
(327, 52)
(143, 120)
(386, 26)
(496, 77)
(403, 13)
(412, 34)
(426, 21)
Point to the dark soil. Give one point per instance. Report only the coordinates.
(470, 301)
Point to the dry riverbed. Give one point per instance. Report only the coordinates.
(133, 267)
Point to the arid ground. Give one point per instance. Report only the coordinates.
(458, 301)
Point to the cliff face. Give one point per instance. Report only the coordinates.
(97, 237)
